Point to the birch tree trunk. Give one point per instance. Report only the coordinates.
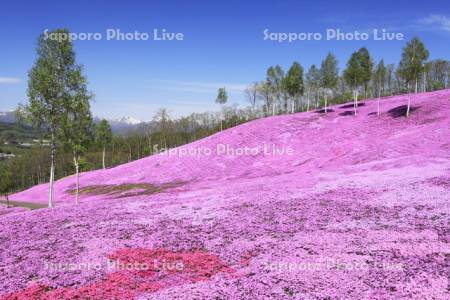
(409, 105)
(103, 157)
(52, 170)
(424, 89)
(77, 176)
(139, 149)
(113, 149)
(316, 96)
(378, 103)
(355, 103)
(129, 153)
(308, 95)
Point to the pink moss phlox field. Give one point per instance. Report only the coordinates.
(357, 208)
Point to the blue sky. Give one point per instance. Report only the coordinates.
(223, 45)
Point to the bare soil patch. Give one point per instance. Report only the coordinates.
(125, 190)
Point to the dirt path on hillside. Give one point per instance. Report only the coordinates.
(27, 205)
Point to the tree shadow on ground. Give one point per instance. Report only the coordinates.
(322, 111)
(352, 105)
(347, 113)
(400, 111)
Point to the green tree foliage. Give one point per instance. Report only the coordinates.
(51, 88)
(293, 84)
(412, 62)
(437, 74)
(366, 64)
(222, 98)
(274, 80)
(77, 128)
(313, 84)
(329, 75)
(252, 95)
(379, 79)
(103, 137)
(412, 65)
(265, 93)
(380, 76)
(6, 183)
(352, 72)
(164, 120)
(358, 72)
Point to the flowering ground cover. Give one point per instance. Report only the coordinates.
(301, 206)
(4, 209)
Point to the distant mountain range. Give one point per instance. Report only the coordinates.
(118, 126)
(7, 117)
(122, 125)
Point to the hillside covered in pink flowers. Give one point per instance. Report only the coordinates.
(301, 206)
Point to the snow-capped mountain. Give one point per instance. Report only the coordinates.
(125, 124)
(122, 125)
(127, 120)
(7, 117)
(119, 125)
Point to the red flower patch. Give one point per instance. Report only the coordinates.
(137, 271)
(197, 265)
(247, 257)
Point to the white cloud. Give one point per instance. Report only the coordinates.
(9, 80)
(440, 22)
